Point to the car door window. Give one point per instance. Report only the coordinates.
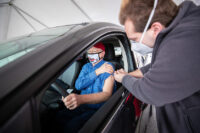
(65, 84)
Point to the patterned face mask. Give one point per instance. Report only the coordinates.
(93, 57)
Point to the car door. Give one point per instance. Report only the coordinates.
(24, 80)
(116, 115)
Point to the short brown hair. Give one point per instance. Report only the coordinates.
(138, 11)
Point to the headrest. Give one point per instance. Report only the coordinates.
(109, 53)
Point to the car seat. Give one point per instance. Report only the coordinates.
(70, 74)
(110, 55)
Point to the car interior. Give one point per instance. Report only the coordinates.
(65, 83)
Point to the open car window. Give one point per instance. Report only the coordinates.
(64, 84)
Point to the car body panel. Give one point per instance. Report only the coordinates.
(24, 78)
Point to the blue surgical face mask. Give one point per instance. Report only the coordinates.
(94, 57)
(139, 46)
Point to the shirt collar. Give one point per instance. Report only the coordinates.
(98, 64)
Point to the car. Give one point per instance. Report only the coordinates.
(37, 69)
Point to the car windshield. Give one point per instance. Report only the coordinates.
(11, 50)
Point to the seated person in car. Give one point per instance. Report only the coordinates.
(96, 83)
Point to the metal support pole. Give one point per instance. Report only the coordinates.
(87, 16)
(29, 15)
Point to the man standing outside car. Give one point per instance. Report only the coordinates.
(172, 81)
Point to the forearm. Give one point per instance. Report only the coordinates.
(95, 98)
(137, 73)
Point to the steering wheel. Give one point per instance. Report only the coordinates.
(59, 89)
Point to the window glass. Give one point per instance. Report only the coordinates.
(13, 57)
(55, 31)
(118, 51)
(15, 48)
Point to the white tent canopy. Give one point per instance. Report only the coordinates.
(19, 17)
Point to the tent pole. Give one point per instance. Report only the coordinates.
(73, 1)
(5, 3)
(24, 18)
(30, 16)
